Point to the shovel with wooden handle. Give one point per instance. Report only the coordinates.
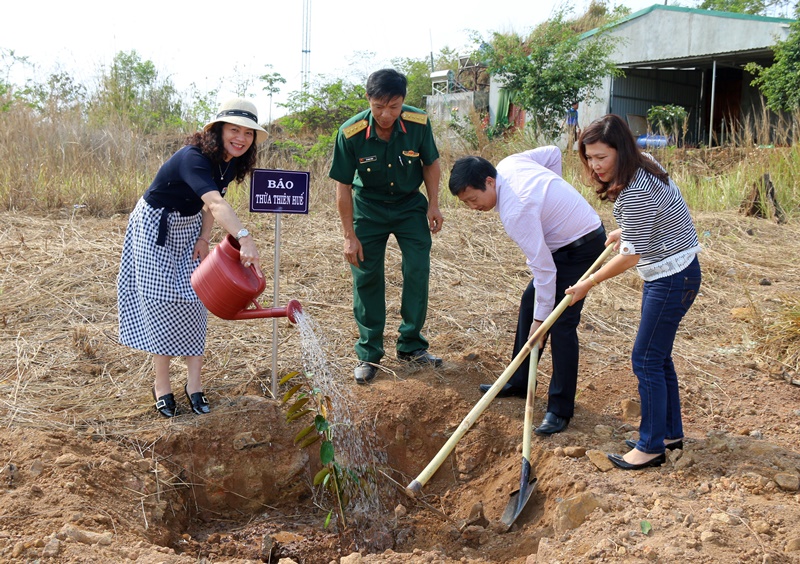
(416, 486)
(518, 498)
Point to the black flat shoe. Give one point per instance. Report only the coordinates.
(165, 405)
(198, 402)
(551, 424)
(619, 462)
(505, 392)
(677, 445)
(420, 356)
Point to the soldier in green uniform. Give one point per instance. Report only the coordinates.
(382, 156)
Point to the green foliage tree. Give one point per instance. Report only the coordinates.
(780, 82)
(668, 119)
(132, 90)
(418, 73)
(272, 82)
(200, 106)
(325, 106)
(61, 93)
(754, 7)
(550, 69)
(597, 15)
(9, 93)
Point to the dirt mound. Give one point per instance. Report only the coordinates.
(89, 474)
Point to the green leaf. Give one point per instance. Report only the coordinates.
(328, 519)
(292, 391)
(321, 476)
(297, 415)
(321, 423)
(303, 433)
(288, 377)
(296, 406)
(326, 453)
(308, 441)
(646, 527)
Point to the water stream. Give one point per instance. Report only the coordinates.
(353, 437)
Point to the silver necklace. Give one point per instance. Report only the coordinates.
(222, 174)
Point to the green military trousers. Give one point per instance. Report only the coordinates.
(374, 221)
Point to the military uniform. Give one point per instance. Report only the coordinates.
(386, 177)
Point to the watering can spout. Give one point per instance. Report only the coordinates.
(290, 311)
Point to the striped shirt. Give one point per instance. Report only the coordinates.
(656, 225)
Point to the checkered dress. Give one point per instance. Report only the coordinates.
(159, 311)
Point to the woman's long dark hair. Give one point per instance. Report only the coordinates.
(611, 130)
(210, 144)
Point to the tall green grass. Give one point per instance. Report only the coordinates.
(57, 162)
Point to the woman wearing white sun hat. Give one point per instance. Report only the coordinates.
(167, 237)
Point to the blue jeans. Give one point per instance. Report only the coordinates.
(664, 303)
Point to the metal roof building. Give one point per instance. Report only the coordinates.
(688, 57)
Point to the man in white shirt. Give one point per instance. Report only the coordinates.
(561, 236)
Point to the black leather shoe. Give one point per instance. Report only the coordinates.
(505, 392)
(551, 424)
(198, 402)
(619, 462)
(677, 445)
(165, 405)
(364, 372)
(420, 356)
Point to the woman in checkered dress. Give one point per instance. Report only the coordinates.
(167, 237)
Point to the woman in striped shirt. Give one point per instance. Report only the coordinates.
(657, 236)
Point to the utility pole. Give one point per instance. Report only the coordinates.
(305, 69)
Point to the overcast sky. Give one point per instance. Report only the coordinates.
(210, 46)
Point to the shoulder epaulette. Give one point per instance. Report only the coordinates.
(351, 130)
(415, 117)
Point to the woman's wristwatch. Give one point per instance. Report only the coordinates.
(242, 233)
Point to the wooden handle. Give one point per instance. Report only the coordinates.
(526, 432)
(416, 485)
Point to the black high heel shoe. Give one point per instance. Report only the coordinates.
(165, 405)
(677, 445)
(198, 401)
(620, 462)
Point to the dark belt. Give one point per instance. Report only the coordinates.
(400, 200)
(591, 236)
(163, 222)
(163, 226)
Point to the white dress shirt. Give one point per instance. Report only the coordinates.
(541, 212)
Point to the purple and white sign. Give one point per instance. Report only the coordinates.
(279, 191)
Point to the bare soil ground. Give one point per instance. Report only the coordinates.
(89, 473)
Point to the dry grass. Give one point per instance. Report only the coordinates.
(65, 369)
(67, 190)
(60, 164)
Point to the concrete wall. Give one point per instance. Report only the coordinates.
(667, 32)
(441, 107)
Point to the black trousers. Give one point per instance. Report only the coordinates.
(571, 264)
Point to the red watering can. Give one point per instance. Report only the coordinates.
(227, 288)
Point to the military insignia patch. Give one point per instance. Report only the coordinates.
(351, 130)
(363, 160)
(412, 154)
(414, 117)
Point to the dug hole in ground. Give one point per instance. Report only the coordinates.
(90, 473)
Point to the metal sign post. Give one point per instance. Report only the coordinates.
(276, 271)
(278, 192)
